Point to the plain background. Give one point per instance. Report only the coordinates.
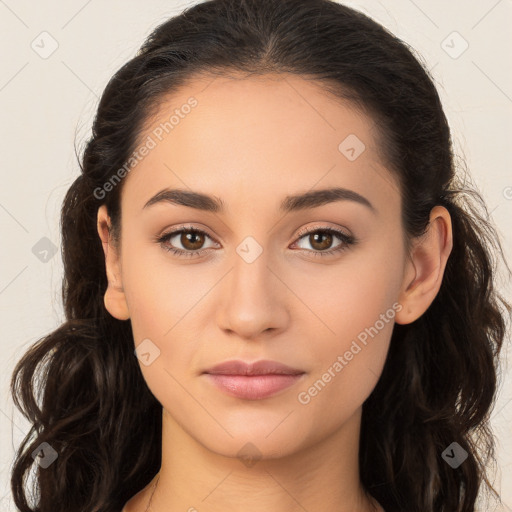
(48, 101)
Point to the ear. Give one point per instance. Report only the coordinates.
(425, 267)
(114, 299)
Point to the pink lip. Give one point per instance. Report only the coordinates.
(253, 381)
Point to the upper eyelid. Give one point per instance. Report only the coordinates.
(313, 229)
(180, 229)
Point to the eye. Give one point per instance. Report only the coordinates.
(192, 240)
(321, 240)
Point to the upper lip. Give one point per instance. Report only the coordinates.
(262, 367)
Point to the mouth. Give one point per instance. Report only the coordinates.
(253, 381)
(253, 387)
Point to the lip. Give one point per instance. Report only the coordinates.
(253, 381)
(262, 367)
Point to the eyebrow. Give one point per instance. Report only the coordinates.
(304, 201)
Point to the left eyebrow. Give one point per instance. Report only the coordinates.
(303, 201)
(316, 198)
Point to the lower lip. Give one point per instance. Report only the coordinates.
(253, 387)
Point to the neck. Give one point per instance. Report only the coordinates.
(323, 475)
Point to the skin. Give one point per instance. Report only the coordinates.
(251, 141)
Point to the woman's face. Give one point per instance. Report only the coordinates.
(260, 287)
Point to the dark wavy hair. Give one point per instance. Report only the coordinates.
(81, 386)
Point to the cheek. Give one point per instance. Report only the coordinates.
(356, 303)
(347, 366)
(348, 297)
(161, 300)
(163, 303)
(161, 293)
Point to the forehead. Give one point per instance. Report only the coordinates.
(260, 134)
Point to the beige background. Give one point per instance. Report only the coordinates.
(48, 103)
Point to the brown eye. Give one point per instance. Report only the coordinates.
(321, 240)
(191, 240)
(185, 241)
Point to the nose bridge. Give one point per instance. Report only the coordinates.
(253, 300)
(251, 277)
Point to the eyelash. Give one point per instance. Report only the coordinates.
(347, 240)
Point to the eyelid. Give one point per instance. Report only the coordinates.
(198, 228)
(314, 229)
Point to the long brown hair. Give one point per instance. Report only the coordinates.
(90, 402)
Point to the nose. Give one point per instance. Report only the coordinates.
(253, 299)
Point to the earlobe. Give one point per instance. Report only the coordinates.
(114, 298)
(426, 266)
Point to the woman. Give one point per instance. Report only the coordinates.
(278, 294)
